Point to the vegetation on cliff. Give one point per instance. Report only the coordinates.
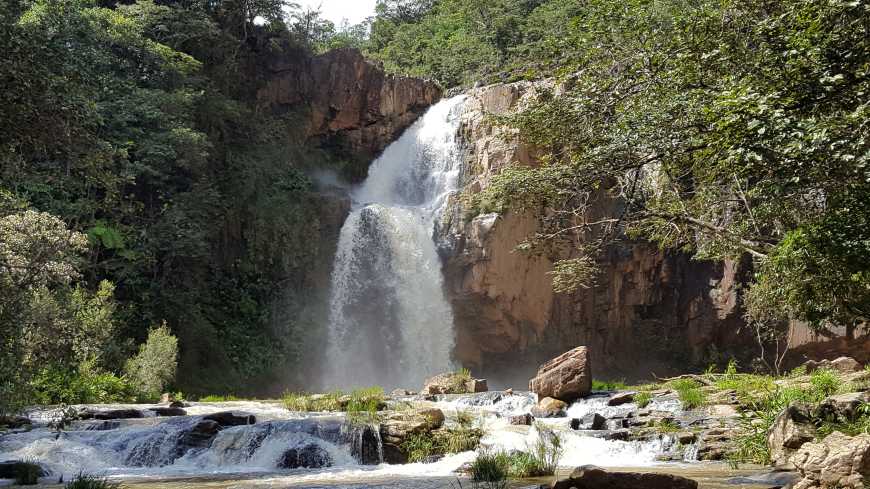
(140, 183)
(728, 129)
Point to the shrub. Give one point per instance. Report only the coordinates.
(27, 473)
(459, 380)
(153, 368)
(642, 399)
(689, 392)
(218, 398)
(490, 469)
(824, 382)
(547, 450)
(366, 400)
(83, 481)
(58, 385)
(601, 385)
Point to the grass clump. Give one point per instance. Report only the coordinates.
(83, 481)
(313, 402)
(490, 470)
(365, 400)
(665, 425)
(219, 398)
(642, 399)
(689, 392)
(418, 447)
(27, 473)
(601, 385)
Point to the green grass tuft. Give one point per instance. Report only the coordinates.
(601, 385)
(27, 473)
(642, 399)
(689, 392)
(83, 481)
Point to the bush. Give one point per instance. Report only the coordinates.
(58, 385)
(154, 367)
(83, 481)
(689, 392)
(642, 399)
(547, 450)
(490, 469)
(824, 382)
(601, 385)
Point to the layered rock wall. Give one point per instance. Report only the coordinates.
(650, 311)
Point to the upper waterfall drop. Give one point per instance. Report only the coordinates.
(390, 323)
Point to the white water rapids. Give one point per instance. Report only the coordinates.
(149, 448)
(390, 323)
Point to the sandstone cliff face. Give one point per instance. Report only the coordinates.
(351, 106)
(651, 311)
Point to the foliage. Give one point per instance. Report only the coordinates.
(57, 385)
(365, 400)
(666, 425)
(689, 392)
(546, 452)
(154, 367)
(218, 398)
(602, 385)
(419, 446)
(723, 128)
(84, 481)
(490, 470)
(642, 399)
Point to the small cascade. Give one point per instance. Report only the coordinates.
(390, 323)
(366, 445)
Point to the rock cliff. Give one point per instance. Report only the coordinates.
(650, 311)
(351, 106)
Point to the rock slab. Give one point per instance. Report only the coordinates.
(837, 462)
(567, 377)
(591, 477)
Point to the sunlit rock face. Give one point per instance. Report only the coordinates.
(649, 311)
(347, 104)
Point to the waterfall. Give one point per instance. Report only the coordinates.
(390, 323)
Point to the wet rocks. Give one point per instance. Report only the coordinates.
(790, 430)
(198, 436)
(621, 398)
(228, 418)
(567, 377)
(592, 421)
(10, 469)
(521, 420)
(837, 462)
(168, 411)
(103, 426)
(14, 422)
(591, 477)
(549, 407)
(476, 385)
(110, 414)
(310, 456)
(770, 479)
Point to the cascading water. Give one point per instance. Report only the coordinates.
(390, 323)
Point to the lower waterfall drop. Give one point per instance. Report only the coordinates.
(390, 323)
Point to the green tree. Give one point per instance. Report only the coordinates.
(153, 368)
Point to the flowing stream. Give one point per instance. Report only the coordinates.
(390, 323)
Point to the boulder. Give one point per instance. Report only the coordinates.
(9, 469)
(397, 426)
(621, 398)
(476, 385)
(453, 383)
(228, 418)
(521, 420)
(774, 479)
(199, 436)
(549, 407)
(111, 414)
(842, 407)
(591, 477)
(592, 421)
(844, 365)
(790, 430)
(837, 462)
(686, 437)
(310, 456)
(566, 377)
(14, 421)
(168, 411)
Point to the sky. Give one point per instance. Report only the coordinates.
(354, 11)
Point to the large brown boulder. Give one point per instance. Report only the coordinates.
(790, 430)
(549, 407)
(566, 377)
(591, 477)
(397, 426)
(844, 365)
(837, 462)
